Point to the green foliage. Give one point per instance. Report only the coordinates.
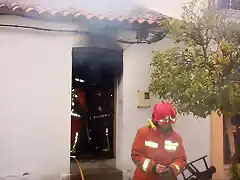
(234, 172)
(199, 74)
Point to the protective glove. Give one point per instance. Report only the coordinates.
(167, 172)
(159, 168)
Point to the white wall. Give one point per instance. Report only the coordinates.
(136, 76)
(35, 77)
(26, 130)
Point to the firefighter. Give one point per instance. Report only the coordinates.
(157, 150)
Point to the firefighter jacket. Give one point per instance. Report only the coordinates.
(152, 147)
(82, 100)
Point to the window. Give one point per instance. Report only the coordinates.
(235, 121)
(226, 147)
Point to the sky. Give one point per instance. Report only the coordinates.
(172, 8)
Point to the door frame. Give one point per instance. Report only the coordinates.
(217, 154)
(115, 94)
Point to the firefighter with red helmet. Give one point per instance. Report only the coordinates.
(157, 149)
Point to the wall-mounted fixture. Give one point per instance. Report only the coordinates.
(143, 99)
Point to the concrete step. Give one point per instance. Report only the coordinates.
(99, 174)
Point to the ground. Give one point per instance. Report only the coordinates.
(93, 173)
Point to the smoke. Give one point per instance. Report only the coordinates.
(94, 6)
(95, 64)
(101, 6)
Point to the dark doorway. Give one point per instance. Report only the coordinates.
(93, 77)
(235, 122)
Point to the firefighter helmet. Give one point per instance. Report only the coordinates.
(164, 113)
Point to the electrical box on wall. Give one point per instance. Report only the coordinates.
(143, 99)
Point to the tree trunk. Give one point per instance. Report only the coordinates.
(230, 135)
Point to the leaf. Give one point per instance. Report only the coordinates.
(192, 74)
(234, 172)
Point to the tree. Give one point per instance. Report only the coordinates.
(200, 72)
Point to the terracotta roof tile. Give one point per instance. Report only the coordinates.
(138, 15)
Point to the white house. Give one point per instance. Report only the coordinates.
(36, 58)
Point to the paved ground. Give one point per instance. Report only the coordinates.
(98, 174)
(101, 170)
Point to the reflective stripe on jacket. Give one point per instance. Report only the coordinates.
(154, 147)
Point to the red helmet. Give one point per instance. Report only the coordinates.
(164, 113)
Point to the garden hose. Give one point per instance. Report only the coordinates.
(80, 169)
(152, 124)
